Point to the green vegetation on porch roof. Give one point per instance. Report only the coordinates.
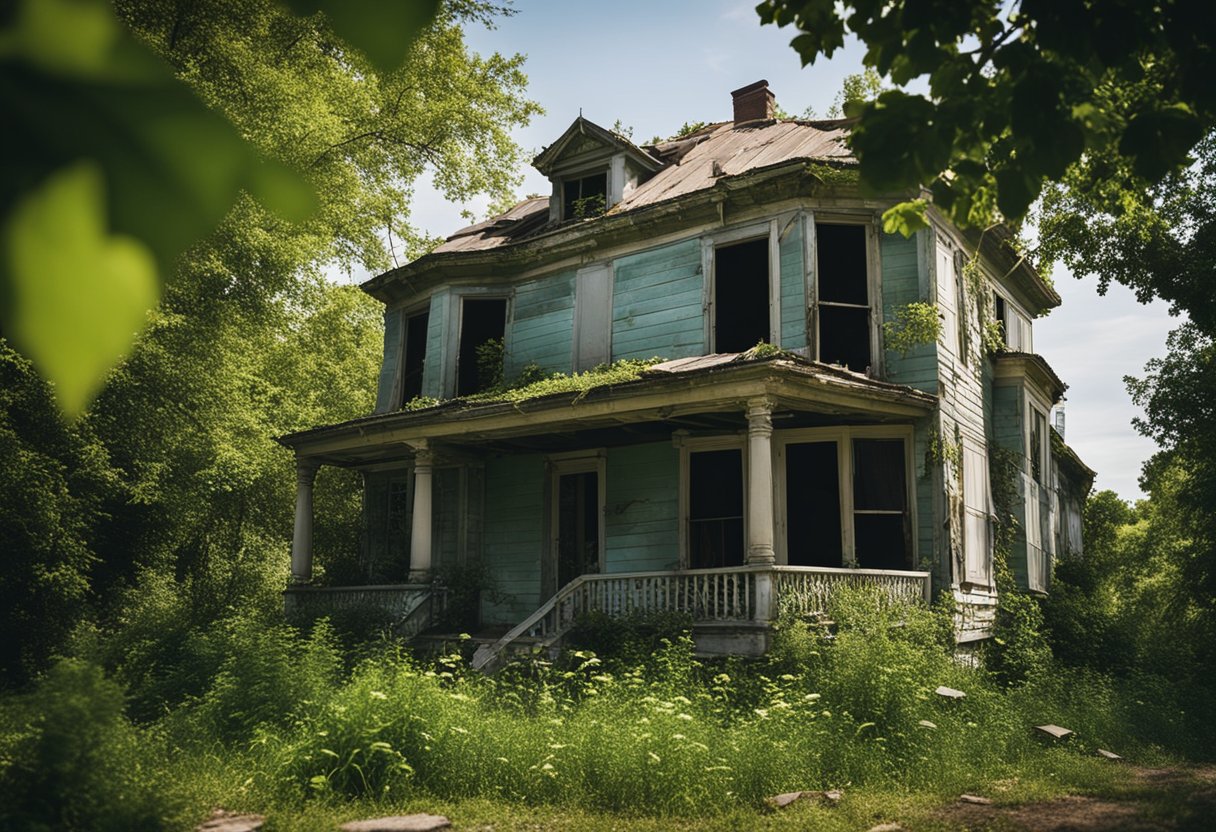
(533, 383)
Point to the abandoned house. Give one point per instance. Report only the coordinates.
(785, 441)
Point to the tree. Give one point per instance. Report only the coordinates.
(1017, 94)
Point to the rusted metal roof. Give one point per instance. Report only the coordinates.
(695, 163)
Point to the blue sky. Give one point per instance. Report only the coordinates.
(655, 65)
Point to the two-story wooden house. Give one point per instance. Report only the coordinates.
(724, 481)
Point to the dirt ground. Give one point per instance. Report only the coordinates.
(1156, 800)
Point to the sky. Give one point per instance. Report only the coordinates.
(656, 65)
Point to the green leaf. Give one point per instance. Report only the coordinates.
(905, 218)
(1159, 140)
(79, 296)
(1015, 190)
(381, 31)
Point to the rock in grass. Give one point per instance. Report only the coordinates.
(976, 799)
(780, 801)
(1054, 731)
(1108, 755)
(887, 827)
(832, 796)
(222, 821)
(950, 693)
(398, 823)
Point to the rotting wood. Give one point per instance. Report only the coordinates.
(1054, 731)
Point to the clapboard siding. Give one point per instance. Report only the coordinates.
(901, 286)
(432, 368)
(923, 482)
(641, 527)
(513, 536)
(657, 303)
(385, 392)
(445, 517)
(793, 290)
(542, 325)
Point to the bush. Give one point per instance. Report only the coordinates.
(69, 760)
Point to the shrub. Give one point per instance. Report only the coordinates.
(69, 760)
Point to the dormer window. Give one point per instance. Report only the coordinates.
(584, 197)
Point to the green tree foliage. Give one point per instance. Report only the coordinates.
(57, 485)
(1017, 94)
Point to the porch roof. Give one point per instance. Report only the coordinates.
(664, 395)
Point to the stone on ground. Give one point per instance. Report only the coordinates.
(780, 801)
(976, 799)
(398, 823)
(1109, 755)
(222, 821)
(950, 693)
(1054, 731)
(887, 827)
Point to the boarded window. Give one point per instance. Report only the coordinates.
(585, 196)
(741, 296)
(881, 523)
(843, 295)
(812, 495)
(415, 356)
(715, 508)
(482, 326)
(593, 317)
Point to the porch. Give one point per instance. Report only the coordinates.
(725, 493)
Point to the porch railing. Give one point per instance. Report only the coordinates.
(741, 594)
(409, 607)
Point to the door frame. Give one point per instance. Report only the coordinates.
(559, 465)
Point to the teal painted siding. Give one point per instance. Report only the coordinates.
(436, 329)
(388, 366)
(1007, 409)
(641, 528)
(445, 517)
(542, 325)
(657, 303)
(793, 290)
(513, 536)
(923, 482)
(900, 286)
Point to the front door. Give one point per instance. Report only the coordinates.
(576, 511)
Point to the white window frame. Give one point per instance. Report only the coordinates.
(873, 280)
(983, 575)
(843, 437)
(689, 445)
(769, 229)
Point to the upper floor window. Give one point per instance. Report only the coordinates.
(415, 355)
(1037, 445)
(483, 324)
(584, 197)
(741, 295)
(843, 297)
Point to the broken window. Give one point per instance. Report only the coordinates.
(715, 508)
(812, 493)
(881, 523)
(415, 356)
(998, 303)
(741, 295)
(1038, 445)
(479, 362)
(584, 197)
(843, 297)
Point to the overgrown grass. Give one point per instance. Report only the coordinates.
(283, 730)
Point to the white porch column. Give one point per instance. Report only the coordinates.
(301, 541)
(760, 482)
(420, 527)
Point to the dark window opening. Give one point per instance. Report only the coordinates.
(1038, 441)
(843, 295)
(741, 285)
(715, 509)
(479, 364)
(415, 356)
(881, 523)
(584, 198)
(578, 526)
(812, 495)
(999, 303)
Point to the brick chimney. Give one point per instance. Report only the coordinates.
(755, 101)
